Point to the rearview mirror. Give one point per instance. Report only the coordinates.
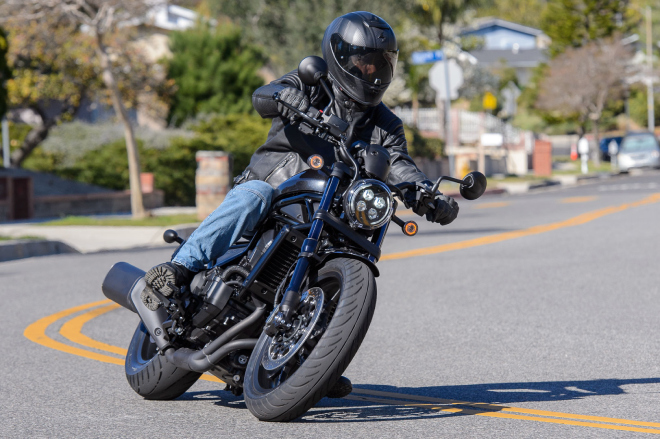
(474, 185)
(312, 69)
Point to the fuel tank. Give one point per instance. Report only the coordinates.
(307, 181)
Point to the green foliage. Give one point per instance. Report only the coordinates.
(290, 30)
(574, 23)
(5, 72)
(420, 146)
(173, 166)
(639, 109)
(525, 12)
(214, 71)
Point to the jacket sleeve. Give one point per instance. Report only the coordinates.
(403, 167)
(262, 98)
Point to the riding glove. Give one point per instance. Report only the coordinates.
(294, 97)
(445, 210)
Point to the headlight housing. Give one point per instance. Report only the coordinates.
(368, 204)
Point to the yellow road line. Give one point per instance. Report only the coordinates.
(36, 332)
(501, 408)
(356, 396)
(72, 331)
(578, 199)
(492, 239)
(492, 205)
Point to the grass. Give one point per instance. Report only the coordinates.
(157, 221)
(9, 238)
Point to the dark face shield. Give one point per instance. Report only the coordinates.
(374, 66)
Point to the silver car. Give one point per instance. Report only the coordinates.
(639, 150)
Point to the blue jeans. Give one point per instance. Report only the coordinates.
(244, 208)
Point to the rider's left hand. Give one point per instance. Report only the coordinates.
(445, 210)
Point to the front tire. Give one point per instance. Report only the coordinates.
(150, 374)
(329, 358)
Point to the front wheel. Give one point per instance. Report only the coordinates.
(150, 374)
(284, 393)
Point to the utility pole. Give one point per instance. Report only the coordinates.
(649, 78)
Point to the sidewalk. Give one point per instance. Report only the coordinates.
(80, 239)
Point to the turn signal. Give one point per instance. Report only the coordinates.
(315, 162)
(410, 228)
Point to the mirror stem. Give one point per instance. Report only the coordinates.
(437, 183)
(328, 91)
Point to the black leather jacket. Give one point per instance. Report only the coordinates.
(286, 150)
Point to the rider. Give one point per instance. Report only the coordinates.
(361, 51)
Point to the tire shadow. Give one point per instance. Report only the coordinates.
(373, 403)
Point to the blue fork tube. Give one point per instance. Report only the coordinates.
(293, 293)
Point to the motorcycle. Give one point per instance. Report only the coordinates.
(280, 315)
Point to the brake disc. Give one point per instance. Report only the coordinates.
(283, 346)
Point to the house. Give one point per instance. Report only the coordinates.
(507, 44)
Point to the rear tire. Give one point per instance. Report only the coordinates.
(150, 374)
(312, 380)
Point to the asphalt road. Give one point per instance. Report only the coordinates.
(543, 307)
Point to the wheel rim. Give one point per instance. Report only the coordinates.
(273, 378)
(281, 348)
(148, 349)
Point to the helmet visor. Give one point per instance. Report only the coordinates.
(375, 66)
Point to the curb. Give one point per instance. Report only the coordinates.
(15, 249)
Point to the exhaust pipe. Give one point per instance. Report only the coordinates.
(123, 284)
(120, 282)
(206, 358)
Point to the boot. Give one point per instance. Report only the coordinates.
(168, 277)
(341, 388)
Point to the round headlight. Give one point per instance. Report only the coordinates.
(368, 204)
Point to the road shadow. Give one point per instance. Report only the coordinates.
(373, 402)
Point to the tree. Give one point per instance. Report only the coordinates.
(525, 12)
(581, 80)
(214, 71)
(51, 75)
(5, 73)
(100, 19)
(574, 23)
(290, 30)
(437, 14)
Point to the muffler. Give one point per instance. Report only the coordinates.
(123, 285)
(120, 282)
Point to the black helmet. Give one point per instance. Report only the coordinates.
(361, 51)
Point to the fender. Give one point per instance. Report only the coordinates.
(336, 253)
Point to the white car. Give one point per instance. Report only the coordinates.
(639, 150)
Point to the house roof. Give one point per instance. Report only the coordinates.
(487, 22)
(520, 58)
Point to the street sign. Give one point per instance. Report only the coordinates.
(437, 79)
(490, 101)
(427, 57)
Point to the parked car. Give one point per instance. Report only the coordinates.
(639, 150)
(605, 145)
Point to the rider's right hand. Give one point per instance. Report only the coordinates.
(294, 97)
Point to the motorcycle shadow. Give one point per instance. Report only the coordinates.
(372, 403)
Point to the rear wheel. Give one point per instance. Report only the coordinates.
(150, 374)
(282, 392)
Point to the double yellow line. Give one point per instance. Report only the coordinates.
(501, 411)
(72, 331)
